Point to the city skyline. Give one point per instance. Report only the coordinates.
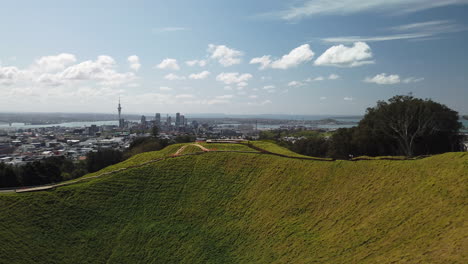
(267, 57)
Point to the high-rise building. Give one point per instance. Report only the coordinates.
(169, 121)
(182, 121)
(177, 120)
(157, 119)
(143, 121)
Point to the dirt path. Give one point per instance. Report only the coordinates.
(178, 153)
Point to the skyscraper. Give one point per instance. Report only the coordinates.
(177, 120)
(143, 121)
(158, 119)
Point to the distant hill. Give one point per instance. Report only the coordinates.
(245, 207)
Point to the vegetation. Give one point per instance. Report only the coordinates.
(246, 208)
(402, 126)
(49, 170)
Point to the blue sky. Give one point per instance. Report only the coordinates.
(237, 57)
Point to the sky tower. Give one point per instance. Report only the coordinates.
(121, 121)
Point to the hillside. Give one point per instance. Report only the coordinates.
(239, 207)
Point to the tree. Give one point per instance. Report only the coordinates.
(414, 124)
(102, 158)
(155, 131)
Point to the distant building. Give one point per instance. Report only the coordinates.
(182, 121)
(157, 119)
(143, 121)
(169, 121)
(177, 120)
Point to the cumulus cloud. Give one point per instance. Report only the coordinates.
(265, 102)
(101, 70)
(54, 63)
(412, 80)
(59, 70)
(168, 64)
(184, 96)
(264, 61)
(226, 96)
(295, 57)
(9, 75)
(225, 55)
(165, 88)
(348, 98)
(242, 84)
(173, 77)
(383, 79)
(134, 62)
(342, 56)
(333, 76)
(253, 96)
(295, 84)
(201, 63)
(268, 87)
(199, 76)
(233, 77)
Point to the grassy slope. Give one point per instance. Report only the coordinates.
(249, 208)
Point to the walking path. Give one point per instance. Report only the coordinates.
(178, 153)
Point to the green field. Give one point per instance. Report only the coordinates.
(221, 207)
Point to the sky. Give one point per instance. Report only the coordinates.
(293, 57)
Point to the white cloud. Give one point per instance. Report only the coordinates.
(9, 75)
(323, 7)
(225, 55)
(233, 77)
(226, 96)
(216, 101)
(264, 61)
(184, 96)
(242, 84)
(295, 57)
(323, 98)
(168, 64)
(199, 76)
(295, 84)
(134, 62)
(201, 63)
(165, 88)
(228, 88)
(383, 79)
(413, 31)
(101, 70)
(54, 63)
(173, 77)
(333, 76)
(56, 70)
(265, 102)
(268, 87)
(341, 56)
(348, 98)
(253, 96)
(320, 78)
(412, 80)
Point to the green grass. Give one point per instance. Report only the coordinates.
(247, 208)
(227, 146)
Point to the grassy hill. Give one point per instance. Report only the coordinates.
(221, 207)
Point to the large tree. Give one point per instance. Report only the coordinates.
(417, 126)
